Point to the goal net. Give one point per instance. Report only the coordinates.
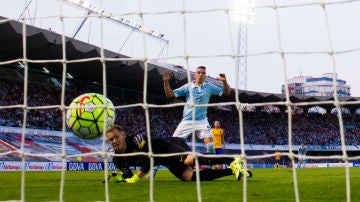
(54, 50)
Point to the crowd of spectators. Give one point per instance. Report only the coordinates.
(272, 128)
(258, 127)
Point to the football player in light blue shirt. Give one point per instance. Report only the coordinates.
(302, 155)
(201, 93)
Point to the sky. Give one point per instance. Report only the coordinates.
(201, 32)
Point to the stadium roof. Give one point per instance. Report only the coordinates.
(83, 63)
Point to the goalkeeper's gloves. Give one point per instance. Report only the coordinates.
(135, 178)
(115, 178)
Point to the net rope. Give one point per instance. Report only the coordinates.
(331, 52)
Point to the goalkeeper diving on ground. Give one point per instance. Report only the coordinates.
(182, 166)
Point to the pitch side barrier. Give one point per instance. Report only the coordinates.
(254, 147)
(330, 165)
(99, 166)
(54, 166)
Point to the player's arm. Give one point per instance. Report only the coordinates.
(225, 84)
(119, 176)
(135, 178)
(140, 143)
(168, 91)
(126, 172)
(145, 167)
(122, 164)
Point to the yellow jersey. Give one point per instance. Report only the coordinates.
(277, 155)
(218, 137)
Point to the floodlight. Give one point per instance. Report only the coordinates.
(244, 11)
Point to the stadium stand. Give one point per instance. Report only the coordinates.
(260, 128)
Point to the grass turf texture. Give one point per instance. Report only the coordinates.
(315, 184)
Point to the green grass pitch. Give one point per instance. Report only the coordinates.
(315, 184)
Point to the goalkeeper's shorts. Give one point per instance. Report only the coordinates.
(175, 164)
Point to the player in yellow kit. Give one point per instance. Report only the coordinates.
(218, 138)
(277, 159)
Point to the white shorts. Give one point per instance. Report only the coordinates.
(302, 158)
(201, 128)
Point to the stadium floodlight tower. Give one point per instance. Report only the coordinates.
(133, 26)
(243, 14)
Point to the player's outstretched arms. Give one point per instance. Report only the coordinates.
(227, 89)
(168, 91)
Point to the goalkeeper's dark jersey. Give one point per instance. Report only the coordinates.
(138, 143)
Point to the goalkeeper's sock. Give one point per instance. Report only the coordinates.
(213, 160)
(210, 174)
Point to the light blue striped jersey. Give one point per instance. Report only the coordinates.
(302, 150)
(201, 95)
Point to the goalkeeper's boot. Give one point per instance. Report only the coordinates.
(236, 168)
(248, 173)
(245, 171)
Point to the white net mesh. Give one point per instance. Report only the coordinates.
(287, 38)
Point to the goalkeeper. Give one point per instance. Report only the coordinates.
(181, 166)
